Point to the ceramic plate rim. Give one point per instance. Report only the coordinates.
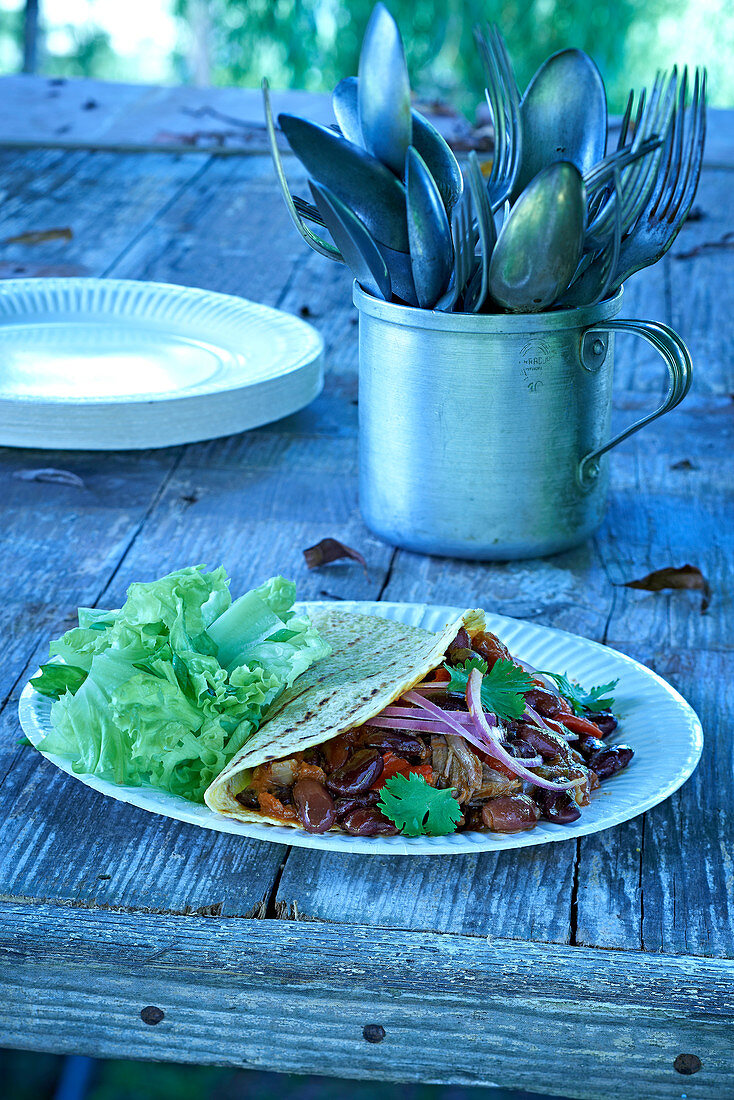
(31, 705)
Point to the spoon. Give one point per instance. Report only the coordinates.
(540, 245)
(357, 178)
(563, 115)
(439, 158)
(354, 241)
(384, 91)
(431, 250)
(346, 109)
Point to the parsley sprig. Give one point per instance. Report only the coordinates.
(595, 700)
(503, 687)
(417, 808)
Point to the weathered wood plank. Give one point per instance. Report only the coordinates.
(86, 113)
(228, 231)
(279, 995)
(106, 201)
(522, 895)
(700, 279)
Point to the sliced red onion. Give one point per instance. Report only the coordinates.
(532, 761)
(450, 717)
(474, 702)
(410, 712)
(423, 724)
(535, 717)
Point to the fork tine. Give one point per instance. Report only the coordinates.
(666, 161)
(677, 150)
(622, 139)
(513, 105)
(696, 133)
(494, 102)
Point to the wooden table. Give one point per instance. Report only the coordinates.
(591, 968)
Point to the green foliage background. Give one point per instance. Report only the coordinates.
(313, 43)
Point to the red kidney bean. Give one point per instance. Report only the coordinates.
(336, 753)
(460, 649)
(559, 806)
(588, 746)
(490, 648)
(610, 760)
(513, 813)
(367, 822)
(605, 720)
(358, 774)
(358, 802)
(544, 701)
(314, 806)
(449, 702)
(547, 743)
(402, 744)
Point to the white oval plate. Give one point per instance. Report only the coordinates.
(661, 727)
(112, 364)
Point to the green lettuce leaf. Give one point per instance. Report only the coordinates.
(167, 689)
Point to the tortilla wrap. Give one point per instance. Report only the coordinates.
(373, 662)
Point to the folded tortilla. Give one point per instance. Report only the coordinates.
(373, 662)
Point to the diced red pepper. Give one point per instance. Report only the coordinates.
(438, 676)
(576, 724)
(395, 765)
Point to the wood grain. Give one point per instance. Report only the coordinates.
(273, 994)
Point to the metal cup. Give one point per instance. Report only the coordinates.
(485, 436)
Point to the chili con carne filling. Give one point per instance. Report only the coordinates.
(338, 783)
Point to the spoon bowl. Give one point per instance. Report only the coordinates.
(563, 115)
(540, 244)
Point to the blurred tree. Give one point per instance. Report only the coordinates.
(313, 43)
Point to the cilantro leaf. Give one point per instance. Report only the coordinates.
(503, 687)
(55, 680)
(594, 700)
(417, 808)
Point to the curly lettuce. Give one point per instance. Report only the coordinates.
(167, 689)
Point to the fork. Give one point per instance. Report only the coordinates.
(477, 291)
(654, 117)
(503, 99)
(659, 223)
(308, 211)
(463, 237)
(593, 282)
(324, 248)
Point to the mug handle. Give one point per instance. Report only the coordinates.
(677, 360)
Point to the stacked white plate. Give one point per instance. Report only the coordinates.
(111, 364)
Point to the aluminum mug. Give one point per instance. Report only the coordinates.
(485, 436)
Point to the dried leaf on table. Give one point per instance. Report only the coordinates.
(48, 473)
(675, 577)
(684, 464)
(331, 550)
(38, 236)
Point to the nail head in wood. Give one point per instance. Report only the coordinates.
(375, 1033)
(687, 1063)
(153, 1015)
